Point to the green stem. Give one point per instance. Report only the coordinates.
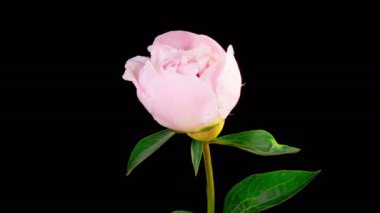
(209, 178)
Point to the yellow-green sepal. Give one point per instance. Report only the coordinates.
(209, 133)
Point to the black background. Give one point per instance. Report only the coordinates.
(69, 122)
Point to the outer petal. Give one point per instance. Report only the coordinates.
(147, 74)
(228, 84)
(215, 48)
(132, 69)
(182, 103)
(182, 40)
(211, 74)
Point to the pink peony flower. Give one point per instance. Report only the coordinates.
(189, 82)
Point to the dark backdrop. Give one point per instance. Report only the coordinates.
(69, 121)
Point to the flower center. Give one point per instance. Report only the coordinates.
(193, 62)
(188, 65)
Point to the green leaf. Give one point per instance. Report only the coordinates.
(263, 191)
(147, 146)
(259, 142)
(196, 155)
(181, 211)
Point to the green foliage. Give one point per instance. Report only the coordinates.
(147, 146)
(259, 142)
(262, 191)
(196, 155)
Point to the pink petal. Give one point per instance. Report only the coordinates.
(215, 48)
(178, 39)
(160, 53)
(184, 40)
(211, 74)
(190, 69)
(147, 74)
(182, 103)
(228, 84)
(132, 69)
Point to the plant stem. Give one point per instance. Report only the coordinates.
(210, 189)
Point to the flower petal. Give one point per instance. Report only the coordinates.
(228, 84)
(183, 40)
(147, 74)
(182, 103)
(132, 69)
(178, 39)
